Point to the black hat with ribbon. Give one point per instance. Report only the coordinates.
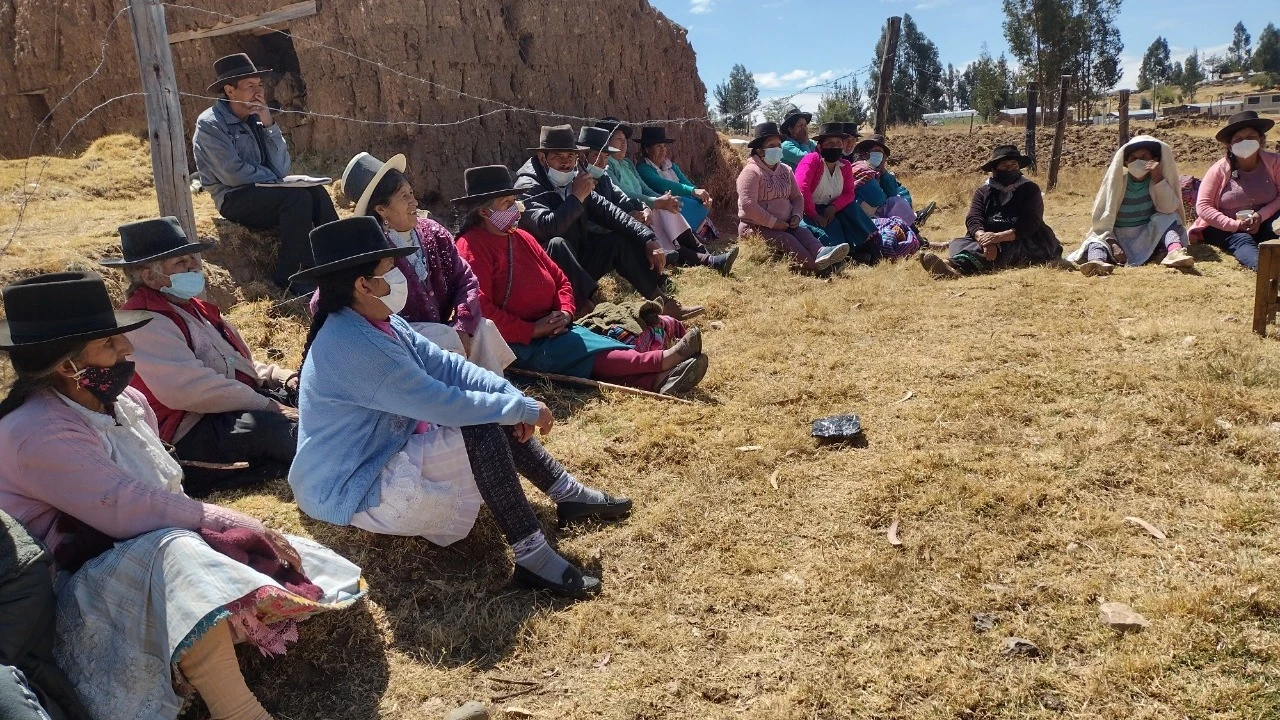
(554, 138)
(346, 243)
(596, 138)
(762, 132)
(655, 135)
(484, 183)
(851, 129)
(362, 175)
(831, 129)
(1005, 152)
(871, 141)
(1242, 120)
(613, 125)
(148, 241)
(71, 306)
(234, 67)
(793, 116)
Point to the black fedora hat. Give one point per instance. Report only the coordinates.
(1242, 120)
(762, 132)
(71, 306)
(655, 135)
(147, 241)
(865, 144)
(362, 175)
(596, 138)
(851, 129)
(831, 129)
(613, 125)
(485, 182)
(1005, 152)
(234, 67)
(344, 243)
(556, 137)
(792, 116)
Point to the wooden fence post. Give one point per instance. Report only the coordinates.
(1033, 92)
(165, 132)
(1059, 130)
(886, 74)
(1124, 117)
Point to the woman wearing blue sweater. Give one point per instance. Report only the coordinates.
(399, 437)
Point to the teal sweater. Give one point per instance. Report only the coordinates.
(793, 152)
(627, 179)
(649, 174)
(360, 396)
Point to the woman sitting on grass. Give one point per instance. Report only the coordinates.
(1238, 202)
(660, 173)
(443, 304)
(828, 184)
(401, 438)
(883, 194)
(1138, 212)
(531, 300)
(147, 609)
(1005, 223)
(771, 205)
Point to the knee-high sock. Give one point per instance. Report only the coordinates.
(211, 667)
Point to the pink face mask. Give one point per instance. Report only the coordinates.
(505, 220)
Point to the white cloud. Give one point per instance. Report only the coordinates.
(773, 80)
(700, 7)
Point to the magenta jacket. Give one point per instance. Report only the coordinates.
(809, 174)
(1215, 181)
(451, 293)
(54, 463)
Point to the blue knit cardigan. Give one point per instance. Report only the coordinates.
(361, 394)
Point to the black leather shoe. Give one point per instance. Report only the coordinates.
(573, 584)
(611, 509)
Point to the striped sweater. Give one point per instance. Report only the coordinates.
(1138, 207)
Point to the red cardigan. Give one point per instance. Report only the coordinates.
(538, 286)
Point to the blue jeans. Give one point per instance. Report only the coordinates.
(1243, 246)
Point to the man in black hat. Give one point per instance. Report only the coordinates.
(560, 204)
(213, 402)
(238, 145)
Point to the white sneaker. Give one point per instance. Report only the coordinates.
(1096, 267)
(829, 256)
(1179, 258)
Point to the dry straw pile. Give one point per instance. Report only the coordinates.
(1013, 422)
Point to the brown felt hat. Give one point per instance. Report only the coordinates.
(554, 138)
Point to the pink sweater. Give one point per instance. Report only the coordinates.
(809, 174)
(766, 195)
(1211, 188)
(52, 461)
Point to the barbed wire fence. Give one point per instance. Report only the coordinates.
(30, 189)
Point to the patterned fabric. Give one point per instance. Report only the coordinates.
(896, 238)
(496, 456)
(1137, 207)
(127, 617)
(1190, 187)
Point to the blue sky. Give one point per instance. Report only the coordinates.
(790, 44)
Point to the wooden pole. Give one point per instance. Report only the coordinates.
(164, 113)
(1033, 95)
(1059, 130)
(971, 117)
(886, 74)
(584, 382)
(1123, 109)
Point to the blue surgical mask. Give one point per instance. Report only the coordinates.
(560, 178)
(596, 172)
(874, 159)
(772, 156)
(185, 286)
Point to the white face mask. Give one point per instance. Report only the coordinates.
(399, 295)
(1245, 148)
(772, 156)
(1138, 169)
(874, 159)
(596, 172)
(559, 178)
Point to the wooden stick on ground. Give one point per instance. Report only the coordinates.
(584, 382)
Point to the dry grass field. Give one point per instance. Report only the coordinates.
(1012, 422)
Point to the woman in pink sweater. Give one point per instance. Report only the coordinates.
(770, 203)
(1238, 201)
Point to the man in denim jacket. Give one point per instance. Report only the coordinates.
(237, 144)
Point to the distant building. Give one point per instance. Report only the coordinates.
(1261, 102)
(1215, 108)
(939, 118)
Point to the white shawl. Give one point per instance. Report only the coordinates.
(1165, 194)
